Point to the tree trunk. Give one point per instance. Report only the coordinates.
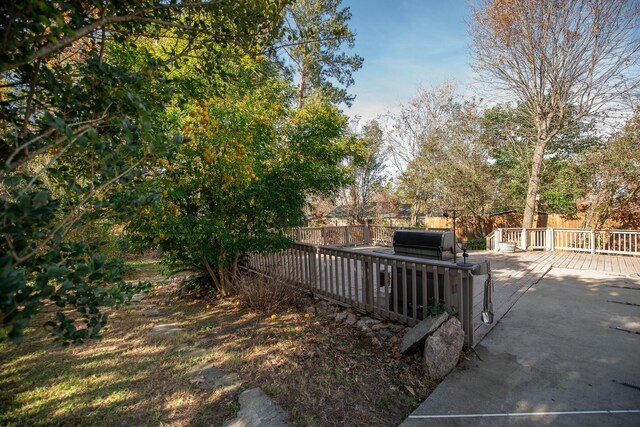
(214, 277)
(593, 208)
(534, 182)
(303, 85)
(224, 281)
(414, 213)
(234, 267)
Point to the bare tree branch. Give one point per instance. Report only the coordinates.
(577, 57)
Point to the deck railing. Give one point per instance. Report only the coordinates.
(381, 285)
(621, 242)
(351, 235)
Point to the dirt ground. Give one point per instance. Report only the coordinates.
(322, 373)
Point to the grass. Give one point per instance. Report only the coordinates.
(144, 269)
(320, 373)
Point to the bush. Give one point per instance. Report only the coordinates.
(198, 284)
(264, 294)
(478, 243)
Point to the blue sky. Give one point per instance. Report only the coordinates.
(406, 44)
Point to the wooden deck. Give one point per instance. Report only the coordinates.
(364, 277)
(514, 273)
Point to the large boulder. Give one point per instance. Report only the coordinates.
(442, 349)
(417, 335)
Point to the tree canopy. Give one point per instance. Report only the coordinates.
(561, 61)
(159, 110)
(316, 35)
(366, 170)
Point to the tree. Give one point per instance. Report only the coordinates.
(367, 171)
(318, 207)
(315, 38)
(451, 169)
(240, 182)
(615, 190)
(435, 145)
(416, 126)
(510, 139)
(557, 58)
(84, 116)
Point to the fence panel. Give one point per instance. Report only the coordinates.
(623, 242)
(386, 286)
(352, 235)
(619, 242)
(512, 235)
(573, 240)
(491, 241)
(536, 238)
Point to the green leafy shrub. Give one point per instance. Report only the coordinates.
(478, 243)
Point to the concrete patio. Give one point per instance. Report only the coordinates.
(566, 353)
(514, 273)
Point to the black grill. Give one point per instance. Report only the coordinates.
(424, 244)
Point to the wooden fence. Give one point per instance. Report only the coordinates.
(381, 285)
(621, 242)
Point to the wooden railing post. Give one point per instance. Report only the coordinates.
(498, 239)
(592, 240)
(552, 239)
(313, 256)
(523, 239)
(346, 235)
(368, 294)
(466, 290)
(366, 235)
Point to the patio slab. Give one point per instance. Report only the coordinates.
(565, 354)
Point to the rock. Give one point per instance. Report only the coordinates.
(416, 336)
(208, 377)
(442, 349)
(378, 326)
(166, 330)
(351, 319)
(258, 410)
(365, 323)
(361, 322)
(311, 310)
(341, 317)
(321, 307)
(150, 312)
(383, 335)
(369, 321)
(137, 298)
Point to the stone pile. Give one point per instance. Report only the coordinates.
(380, 331)
(441, 336)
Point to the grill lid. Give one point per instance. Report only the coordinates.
(438, 240)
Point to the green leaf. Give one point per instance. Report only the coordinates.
(40, 199)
